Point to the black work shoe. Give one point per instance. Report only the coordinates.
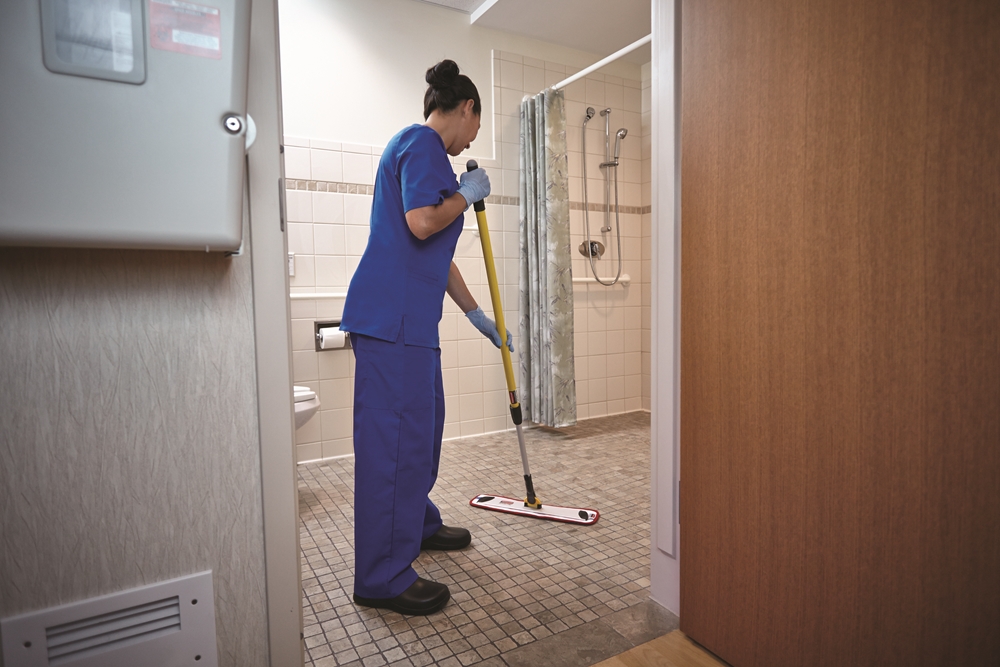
(421, 598)
(447, 539)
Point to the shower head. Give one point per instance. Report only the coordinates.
(590, 114)
(605, 112)
(618, 142)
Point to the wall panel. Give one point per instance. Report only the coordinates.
(129, 449)
(840, 348)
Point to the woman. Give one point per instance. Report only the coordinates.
(392, 311)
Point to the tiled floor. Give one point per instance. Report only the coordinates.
(526, 591)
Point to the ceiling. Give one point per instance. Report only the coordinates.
(466, 6)
(596, 26)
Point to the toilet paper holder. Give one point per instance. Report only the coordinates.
(318, 337)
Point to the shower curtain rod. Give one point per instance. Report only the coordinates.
(601, 63)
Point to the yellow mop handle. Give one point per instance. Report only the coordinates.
(531, 500)
(491, 276)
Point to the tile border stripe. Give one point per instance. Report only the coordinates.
(599, 208)
(503, 200)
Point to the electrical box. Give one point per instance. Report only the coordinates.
(122, 123)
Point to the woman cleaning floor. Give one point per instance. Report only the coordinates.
(392, 311)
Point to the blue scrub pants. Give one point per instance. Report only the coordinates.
(398, 424)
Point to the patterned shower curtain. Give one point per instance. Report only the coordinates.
(547, 369)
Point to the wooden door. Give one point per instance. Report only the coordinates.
(840, 354)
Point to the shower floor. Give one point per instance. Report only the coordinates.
(526, 592)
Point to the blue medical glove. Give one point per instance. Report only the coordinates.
(474, 185)
(488, 327)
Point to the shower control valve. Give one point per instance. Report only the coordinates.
(596, 249)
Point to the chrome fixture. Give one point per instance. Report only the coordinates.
(618, 147)
(592, 249)
(589, 249)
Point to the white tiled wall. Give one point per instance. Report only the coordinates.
(608, 322)
(328, 232)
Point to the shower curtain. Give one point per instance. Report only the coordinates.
(547, 369)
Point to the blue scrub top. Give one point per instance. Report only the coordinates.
(400, 281)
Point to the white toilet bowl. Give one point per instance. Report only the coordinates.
(306, 405)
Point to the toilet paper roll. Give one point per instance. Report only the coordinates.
(331, 338)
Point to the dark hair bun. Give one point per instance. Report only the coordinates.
(447, 89)
(442, 75)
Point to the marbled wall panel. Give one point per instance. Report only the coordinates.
(129, 448)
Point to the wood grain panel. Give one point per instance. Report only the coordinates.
(840, 397)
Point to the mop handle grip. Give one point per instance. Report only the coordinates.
(479, 206)
(491, 276)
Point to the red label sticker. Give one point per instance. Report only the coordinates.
(185, 28)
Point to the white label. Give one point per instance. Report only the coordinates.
(121, 41)
(96, 34)
(194, 39)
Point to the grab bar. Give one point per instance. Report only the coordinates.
(624, 280)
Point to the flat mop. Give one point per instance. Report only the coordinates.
(531, 505)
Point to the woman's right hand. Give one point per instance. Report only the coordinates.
(473, 186)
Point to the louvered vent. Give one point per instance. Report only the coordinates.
(71, 641)
(168, 624)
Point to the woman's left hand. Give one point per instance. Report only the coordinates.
(488, 327)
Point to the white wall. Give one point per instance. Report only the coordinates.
(666, 308)
(272, 336)
(329, 203)
(354, 70)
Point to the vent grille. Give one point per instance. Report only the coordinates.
(73, 641)
(165, 624)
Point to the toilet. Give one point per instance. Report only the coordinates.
(306, 405)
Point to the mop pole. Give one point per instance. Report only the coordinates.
(515, 407)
